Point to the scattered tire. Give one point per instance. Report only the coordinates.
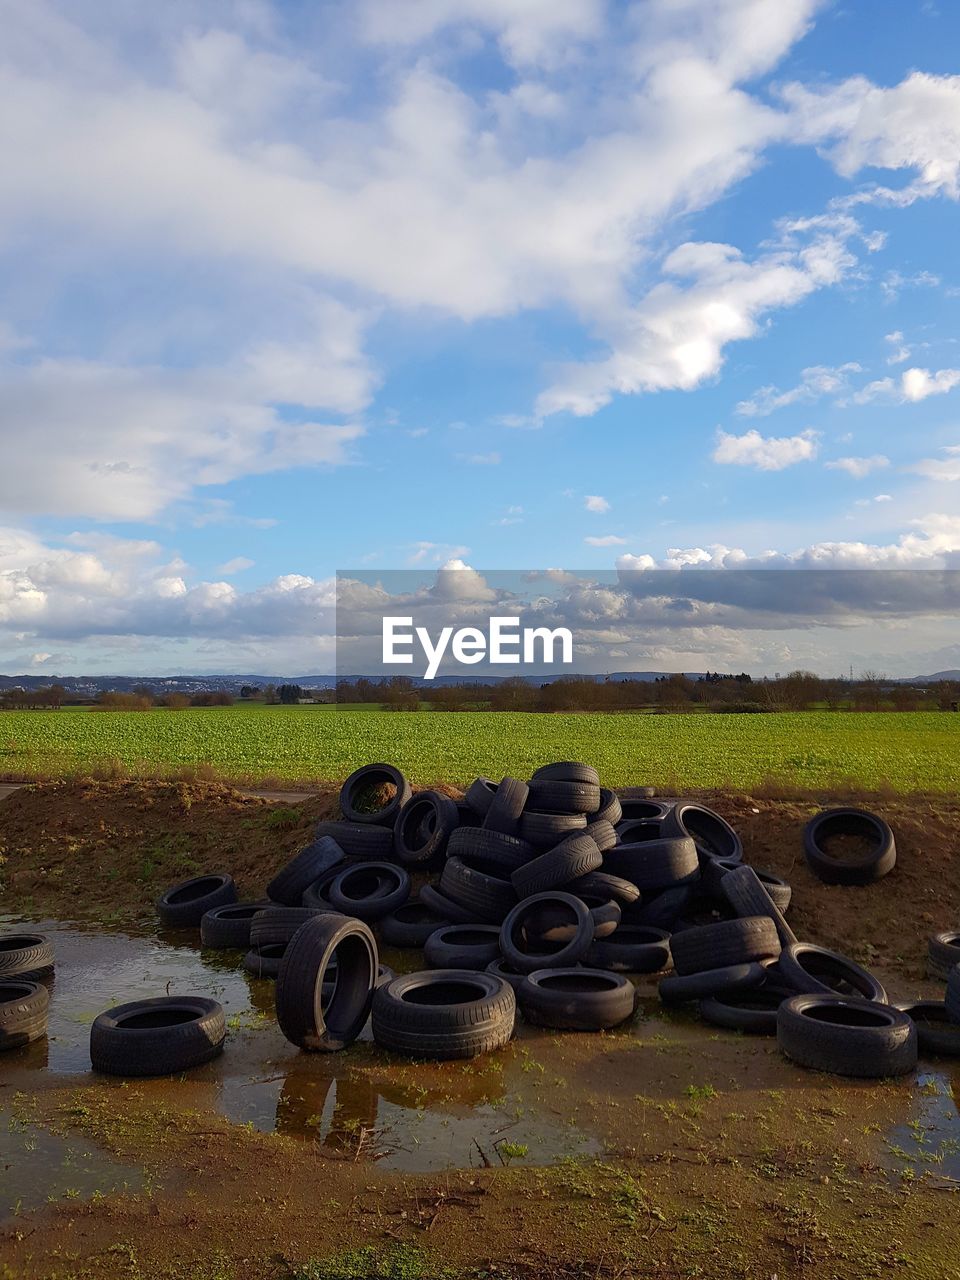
(660, 910)
(452, 911)
(278, 924)
(458, 1013)
(526, 955)
(370, 891)
(185, 904)
(479, 795)
(730, 942)
(289, 885)
(611, 809)
(264, 962)
(656, 864)
(552, 923)
(316, 895)
(359, 801)
(943, 953)
(713, 835)
(604, 885)
(358, 839)
(424, 825)
(24, 953)
(633, 809)
(300, 1012)
(567, 771)
(873, 857)
(462, 946)
(847, 1037)
(544, 830)
(602, 833)
(575, 857)
(753, 1012)
(506, 807)
(23, 1012)
(486, 895)
(937, 1033)
(576, 999)
(631, 949)
(159, 1037)
(813, 970)
(638, 831)
(952, 998)
(748, 896)
(501, 969)
(411, 925)
(564, 797)
(493, 847)
(229, 927)
(680, 989)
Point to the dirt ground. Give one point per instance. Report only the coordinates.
(710, 1155)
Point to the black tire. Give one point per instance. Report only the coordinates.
(877, 860)
(452, 911)
(462, 946)
(316, 895)
(506, 807)
(847, 1037)
(611, 810)
(479, 795)
(359, 840)
(943, 953)
(457, 1013)
(304, 869)
(554, 924)
(602, 834)
(575, 999)
(575, 857)
(660, 910)
(374, 775)
(501, 969)
(638, 831)
(545, 830)
(753, 1012)
(567, 771)
(564, 797)
(300, 1012)
(748, 896)
(952, 998)
(811, 970)
(602, 884)
(424, 825)
(631, 949)
(680, 989)
(468, 817)
(159, 1037)
(411, 925)
(545, 955)
(229, 927)
(730, 942)
(184, 905)
(781, 893)
(713, 835)
(478, 889)
(474, 844)
(23, 1012)
(638, 810)
(937, 1033)
(264, 962)
(370, 890)
(278, 924)
(24, 953)
(655, 864)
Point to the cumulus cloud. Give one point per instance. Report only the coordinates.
(945, 468)
(593, 502)
(817, 381)
(912, 386)
(766, 453)
(859, 467)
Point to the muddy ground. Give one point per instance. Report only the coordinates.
(663, 1149)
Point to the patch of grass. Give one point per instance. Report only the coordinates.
(398, 1262)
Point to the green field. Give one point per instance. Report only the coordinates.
(906, 751)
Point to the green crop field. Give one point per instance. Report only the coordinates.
(906, 751)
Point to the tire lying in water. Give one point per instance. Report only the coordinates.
(158, 1037)
(576, 999)
(23, 1012)
(937, 1033)
(943, 953)
(273, 925)
(24, 953)
(847, 1037)
(301, 1013)
(754, 1012)
(361, 781)
(875, 860)
(264, 962)
(289, 884)
(456, 1013)
(370, 891)
(229, 927)
(813, 970)
(185, 904)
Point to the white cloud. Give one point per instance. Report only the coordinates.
(766, 453)
(817, 381)
(609, 540)
(481, 459)
(918, 384)
(946, 468)
(593, 502)
(859, 467)
(901, 351)
(237, 565)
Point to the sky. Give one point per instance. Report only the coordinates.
(288, 288)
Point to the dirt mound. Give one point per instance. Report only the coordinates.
(105, 850)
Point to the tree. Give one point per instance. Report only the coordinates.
(249, 691)
(289, 694)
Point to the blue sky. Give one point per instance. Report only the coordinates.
(291, 288)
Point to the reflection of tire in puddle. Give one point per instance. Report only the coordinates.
(343, 1121)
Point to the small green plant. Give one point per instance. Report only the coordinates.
(399, 1262)
(513, 1150)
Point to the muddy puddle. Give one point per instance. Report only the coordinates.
(929, 1141)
